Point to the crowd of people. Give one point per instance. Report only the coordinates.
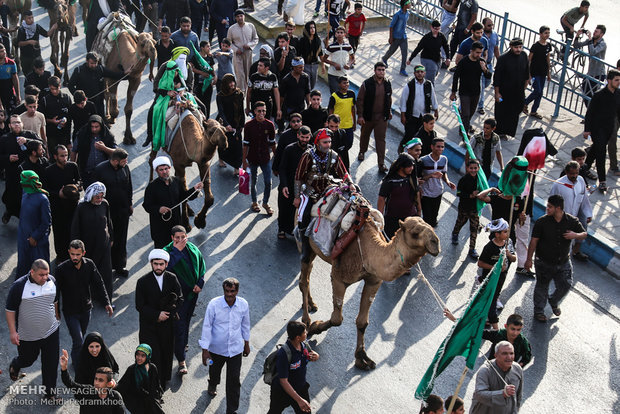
(55, 145)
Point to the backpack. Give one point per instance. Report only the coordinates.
(269, 367)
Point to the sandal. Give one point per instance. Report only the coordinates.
(540, 317)
(526, 110)
(182, 369)
(281, 235)
(360, 156)
(255, 208)
(268, 209)
(536, 115)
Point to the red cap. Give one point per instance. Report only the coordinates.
(323, 133)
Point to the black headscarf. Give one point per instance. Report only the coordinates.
(404, 160)
(87, 364)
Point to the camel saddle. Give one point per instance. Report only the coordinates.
(174, 120)
(109, 29)
(362, 210)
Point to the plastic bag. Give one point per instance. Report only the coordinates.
(244, 181)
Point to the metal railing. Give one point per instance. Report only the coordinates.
(568, 63)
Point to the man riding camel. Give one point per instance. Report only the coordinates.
(318, 167)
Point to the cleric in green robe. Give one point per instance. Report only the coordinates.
(188, 264)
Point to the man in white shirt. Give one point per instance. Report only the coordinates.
(244, 39)
(572, 187)
(225, 337)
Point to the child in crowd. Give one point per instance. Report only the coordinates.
(487, 147)
(355, 24)
(433, 405)
(342, 103)
(466, 190)
(315, 116)
(511, 333)
(490, 255)
(224, 58)
(579, 154)
(459, 405)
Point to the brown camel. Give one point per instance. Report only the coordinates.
(195, 143)
(374, 261)
(85, 6)
(132, 52)
(17, 7)
(60, 14)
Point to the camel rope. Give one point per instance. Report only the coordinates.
(433, 291)
(164, 215)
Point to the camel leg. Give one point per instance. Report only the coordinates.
(368, 296)
(179, 172)
(200, 220)
(112, 108)
(134, 83)
(304, 286)
(338, 290)
(54, 54)
(64, 61)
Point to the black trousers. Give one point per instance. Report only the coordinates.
(233, 383)
(598, 152)
(62, 214)
(28, 352)
(280, 399)
(430, 209)
(120, 223)
(286, 212)
(412, 126)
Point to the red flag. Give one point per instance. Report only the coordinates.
(535, 152)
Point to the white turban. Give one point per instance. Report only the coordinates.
(159, 254)
(497, 225)
(95, 188)
(161, 160)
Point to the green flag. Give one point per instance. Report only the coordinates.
(466, 335)
(482, 179)
(514, 177)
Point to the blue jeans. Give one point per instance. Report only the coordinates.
(181, 327)
(431, 67)
(334, 22)
(77, 325)
(266, 170)
(396, 43)
(484, 83)
(538, 85)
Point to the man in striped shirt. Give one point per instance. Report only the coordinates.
(32, 306)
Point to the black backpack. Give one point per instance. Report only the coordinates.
(269, 367)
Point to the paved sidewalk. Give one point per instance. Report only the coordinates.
(564, 131)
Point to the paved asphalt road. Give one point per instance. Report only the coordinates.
(576, 361)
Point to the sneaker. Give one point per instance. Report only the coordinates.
(582, 257)
(455, 238)
(384, 62)
(315, 14)
(556, 310)
(499, 305)
(521, 271)
(403, 72)
(473, 254)
(602, 186)
(481, 111)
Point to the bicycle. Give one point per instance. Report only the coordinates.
(576, 60)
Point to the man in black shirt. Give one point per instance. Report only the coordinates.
(342, 140)
(173, 11)
(287, 168)
(315, 116)
(80, 110)
(601, 116)
(430, 45)
(55, 106)
(28, 41)
(74, 278)
(284, 54)
(62, 201)
(263, 86)
(35, 161)
(13, 152)
(39, 76)
(94, 143)
(426, 133)
(551, 240)
(468, 71)
(89, 78)
(116, 176)
(467, 191)
(295, 88)
(164, 46)
(540, 53)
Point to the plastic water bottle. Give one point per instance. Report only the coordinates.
(62, 122)
(227, 23)
(21, 146)
(209, 361)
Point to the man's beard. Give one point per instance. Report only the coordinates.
(158, 272)
(303, 145)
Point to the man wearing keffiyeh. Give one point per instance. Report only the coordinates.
(92, 224)
(34, 223)
(28, 41)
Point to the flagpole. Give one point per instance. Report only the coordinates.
(512, 209)
(456, 392)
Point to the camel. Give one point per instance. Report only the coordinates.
(85, 6)
(374, 261)
(132, 51)
(61, 15)
(17, 7)
(194, 143)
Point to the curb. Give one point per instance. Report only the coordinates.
(601, 250)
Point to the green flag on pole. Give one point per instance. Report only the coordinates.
(466, 335)
(482, 179)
